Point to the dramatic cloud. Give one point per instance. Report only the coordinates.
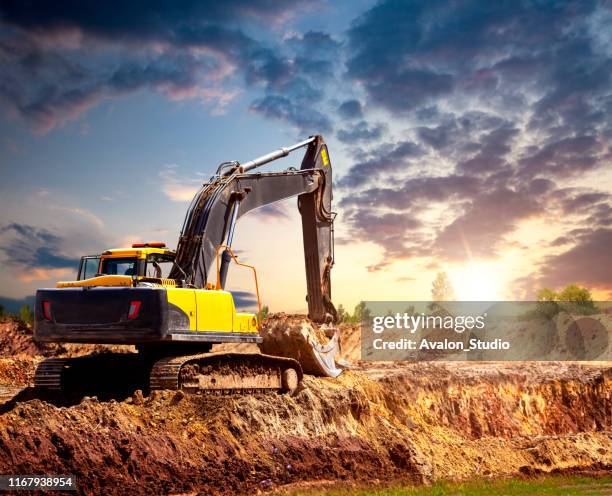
(501, 106)
(29, 247)
(58, 62)
(285, 109)
(177, 187)
(45, 240)
(386, 158)
(462, 121)
(413, 193)
(361, 133)
(294, 86)
(350, 109)
(480, 230)
(587, 262)
(392, 231)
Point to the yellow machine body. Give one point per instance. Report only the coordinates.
(209, 310)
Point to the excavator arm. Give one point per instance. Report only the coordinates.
(233, 191)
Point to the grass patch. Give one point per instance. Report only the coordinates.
(548, 485)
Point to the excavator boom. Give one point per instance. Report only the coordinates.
(232, 192)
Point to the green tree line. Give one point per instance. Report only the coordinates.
(25, 314)
(572, 299)
(355, 318)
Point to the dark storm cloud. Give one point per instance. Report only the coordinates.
(565, 157)
(581, 201)
(386, 158)
(31, 247)
(361, 133)
(401, 233)
(48, 89)
(315, 42)
(178, 50)
(439, 137)
(492, 149)
(600, 215)
(416, 192)
(578, 82)
(298, 96)
(316, 55)
(408, 53)
(350, 109)
(284, 109)
(469, 131)
(135, 19)
(587, 262)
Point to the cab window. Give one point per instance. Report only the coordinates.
(119, 266)
(159, 265)
(89, 267)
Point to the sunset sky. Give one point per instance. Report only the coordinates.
(467, 137)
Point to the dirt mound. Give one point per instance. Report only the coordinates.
(380, 421)
(16, 339)
(411, 423)
(350, 342)
(17, 371)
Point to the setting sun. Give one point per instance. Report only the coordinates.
(475, 282)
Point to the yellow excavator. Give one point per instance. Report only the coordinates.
(173, 305)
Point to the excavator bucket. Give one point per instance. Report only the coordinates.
(315, 347)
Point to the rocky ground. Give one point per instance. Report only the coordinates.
(377, 422)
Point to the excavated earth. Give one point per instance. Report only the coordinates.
(376, 423)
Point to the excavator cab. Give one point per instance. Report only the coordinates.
(157, 265)
(142, 260)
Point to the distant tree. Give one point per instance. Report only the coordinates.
(572, 299)
(2, 312)
(343, 315)
(442, 288)
(575, 293)
(571, 292)
(576, 299)
(361, 313)
(547, 294)
(264, 311)
(26, 314)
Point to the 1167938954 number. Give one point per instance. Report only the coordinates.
(40, 482)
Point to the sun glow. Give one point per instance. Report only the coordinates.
(475, 282)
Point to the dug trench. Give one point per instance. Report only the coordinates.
(416, 422)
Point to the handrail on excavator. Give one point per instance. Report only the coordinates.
(235, 259)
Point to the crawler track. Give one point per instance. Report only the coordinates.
(204, 373)
(49, 374)
(226, 373)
